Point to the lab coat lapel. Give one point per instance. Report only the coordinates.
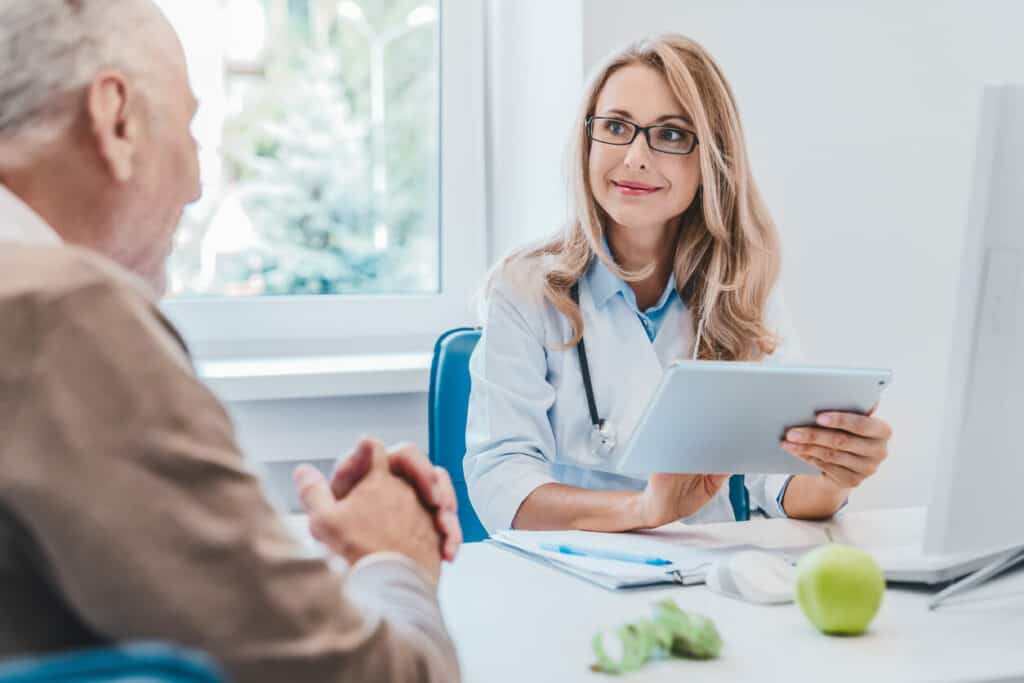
(625, 366)
(643, 370)
(675, 338)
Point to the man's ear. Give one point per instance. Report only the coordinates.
(115, 121)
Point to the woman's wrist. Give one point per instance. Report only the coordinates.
(635, 511)
(833, 494)
(648, 512)
(813, 497)
(611, 511)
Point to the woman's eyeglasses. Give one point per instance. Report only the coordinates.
(667, 139)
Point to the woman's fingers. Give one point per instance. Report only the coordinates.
(837, 474)
(847, 447)
(669, 497)
(861, 425)
(862, 465)
(836, 440)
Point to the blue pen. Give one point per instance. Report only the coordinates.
(603, 554)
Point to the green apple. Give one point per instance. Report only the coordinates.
(839, 588)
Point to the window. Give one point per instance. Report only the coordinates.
(343, 185)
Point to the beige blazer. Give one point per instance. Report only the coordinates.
(126, 512)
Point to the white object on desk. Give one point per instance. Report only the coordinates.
(754, 576)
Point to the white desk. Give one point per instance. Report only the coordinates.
(515, 620)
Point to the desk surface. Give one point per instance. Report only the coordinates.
(514, 619)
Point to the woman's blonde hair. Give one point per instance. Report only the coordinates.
(727, 252)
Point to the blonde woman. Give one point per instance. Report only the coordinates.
(672, 254)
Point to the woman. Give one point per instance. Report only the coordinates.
(672, 254)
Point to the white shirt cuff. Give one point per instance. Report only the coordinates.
(775, 490)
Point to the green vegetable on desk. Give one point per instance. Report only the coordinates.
(694, 636)
(671, 632)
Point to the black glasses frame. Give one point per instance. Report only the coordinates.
(637, 129)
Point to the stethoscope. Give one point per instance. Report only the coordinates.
(603, 436)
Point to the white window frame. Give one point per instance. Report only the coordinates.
(286, 326)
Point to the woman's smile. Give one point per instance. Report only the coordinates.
(631, 188)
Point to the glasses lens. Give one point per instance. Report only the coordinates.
(612, 131)
(672, 140)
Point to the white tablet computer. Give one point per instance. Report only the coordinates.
(729, 417)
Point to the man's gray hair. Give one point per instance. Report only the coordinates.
(50, 50)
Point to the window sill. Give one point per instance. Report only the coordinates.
(266, 379)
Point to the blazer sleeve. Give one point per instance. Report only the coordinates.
(129, 477)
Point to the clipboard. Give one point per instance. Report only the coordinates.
(689, 564)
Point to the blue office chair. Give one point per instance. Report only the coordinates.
(136, 663)
(447, 406)
(739, 497)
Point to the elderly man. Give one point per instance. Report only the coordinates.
(125, 509)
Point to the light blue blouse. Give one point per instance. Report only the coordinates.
(606, 284)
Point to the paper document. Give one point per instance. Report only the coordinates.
(688, 565)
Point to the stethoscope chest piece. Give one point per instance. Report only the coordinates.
(602, 439)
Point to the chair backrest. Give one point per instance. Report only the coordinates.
(739, 497)
(134, 663)
(448, 404)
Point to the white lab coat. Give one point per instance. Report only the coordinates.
(528, 422)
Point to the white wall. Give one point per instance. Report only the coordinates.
(274, 435)
(861, 121)
(535, 75)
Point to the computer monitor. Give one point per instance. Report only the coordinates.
(977, 504)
